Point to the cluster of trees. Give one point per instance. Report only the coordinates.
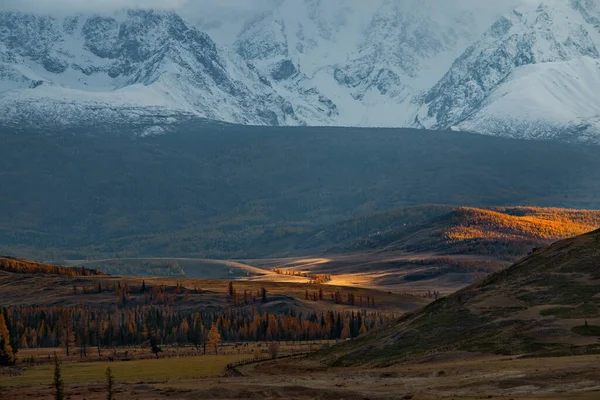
(313, 278)
(435, 294)
(14, 265)
(338, 298)
(247, 297)
(430, 294)
(83, 329)
(124, 291)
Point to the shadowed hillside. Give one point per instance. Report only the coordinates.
(417, 249)
(226, 191)
(545, 305)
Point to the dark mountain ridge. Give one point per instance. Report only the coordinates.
(227, 191)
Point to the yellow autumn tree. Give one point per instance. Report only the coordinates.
(214, 338)
(363, 329)
(7, 355)
(346, 331)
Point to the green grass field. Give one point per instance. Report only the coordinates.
(127, 371)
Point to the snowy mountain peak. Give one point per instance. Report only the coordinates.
(521, 68)
(133, 62)
(521, 46)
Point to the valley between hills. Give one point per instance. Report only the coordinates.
(417, 250)
(233, 262)
(529, 331)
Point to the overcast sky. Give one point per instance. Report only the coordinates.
(70, 6)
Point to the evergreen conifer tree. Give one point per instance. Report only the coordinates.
(59, 393)
(110, 385)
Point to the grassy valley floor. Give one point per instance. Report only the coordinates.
(459, 376)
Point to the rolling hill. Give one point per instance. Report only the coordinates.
(421, 249)
(545, 305)
(505, 233)
(426, 248)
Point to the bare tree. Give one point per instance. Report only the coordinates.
(273, 349)
(154, 346)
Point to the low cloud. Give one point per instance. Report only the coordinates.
(73, 6)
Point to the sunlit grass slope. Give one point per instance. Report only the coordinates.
(521, 222)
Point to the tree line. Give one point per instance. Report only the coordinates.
(312, 278)
(338, 298)
(248, 297)
(15, 265)
(83, 329)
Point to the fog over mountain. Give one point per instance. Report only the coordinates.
(517, 68)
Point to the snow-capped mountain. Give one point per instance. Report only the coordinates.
(373, 59)
(519, 68)
(534, 73)
(135, 65)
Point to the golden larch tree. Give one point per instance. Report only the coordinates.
(214, 338)
(7, 355)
